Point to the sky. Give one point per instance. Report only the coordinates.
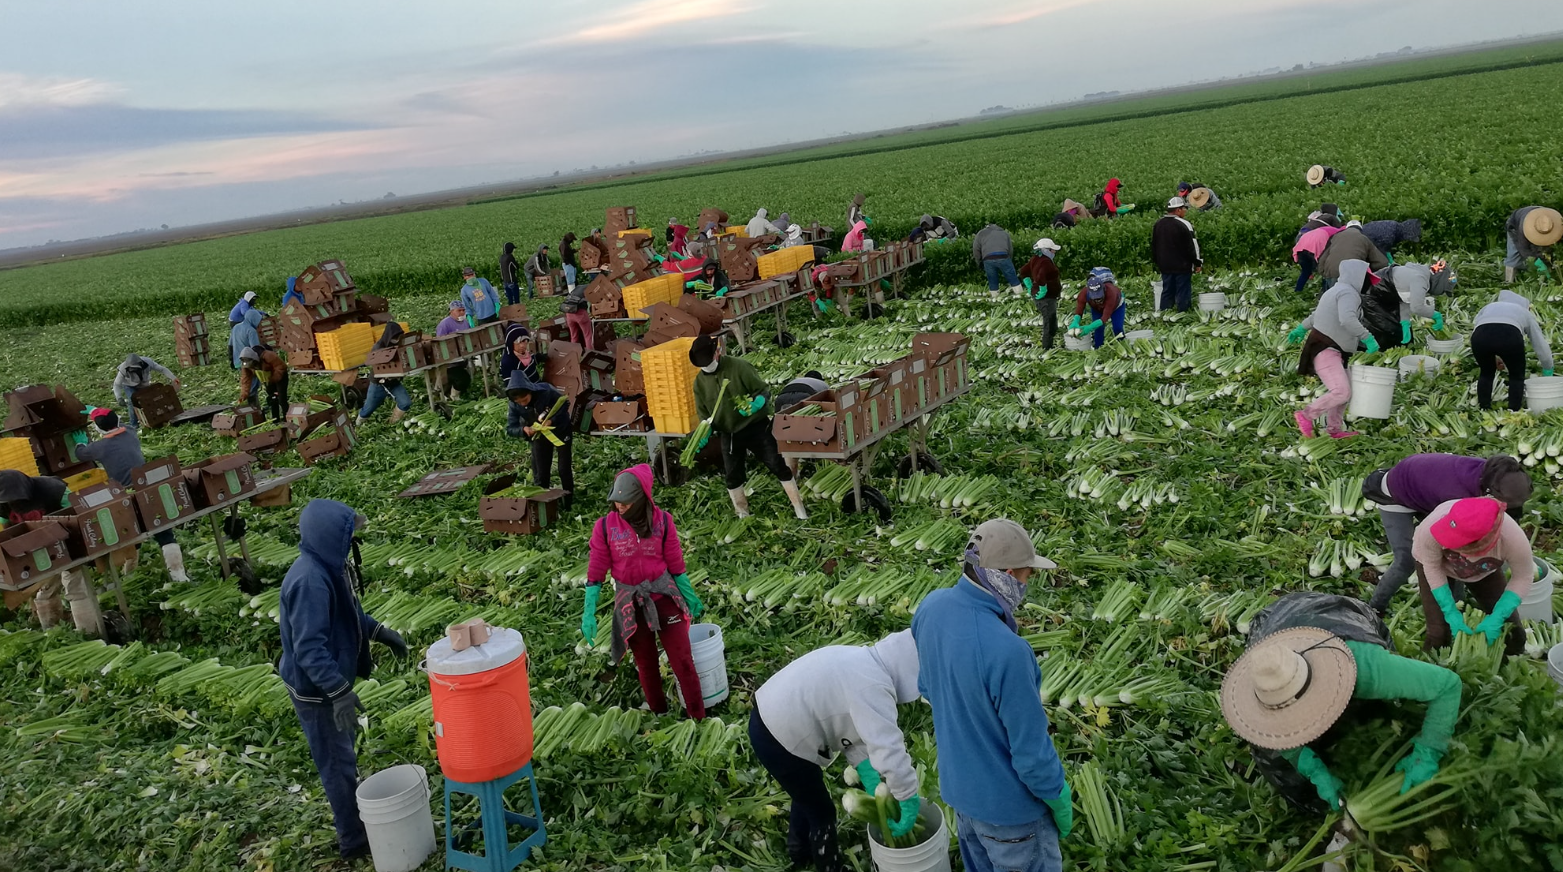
(116, 116)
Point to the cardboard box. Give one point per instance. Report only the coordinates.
(157, 404)
(875, 400)
(193, 344)
(443, 481)
(30, 549)
(188, 326)
(371, 304)
(188, 358)
(518, 517)
(627, 376)
(302, 420)
(624, 415)
(265, 442)
(597, 368)
(712, 215)
(399, 360)
(670, 321)
(946, 354)
(547, 286)
(305, 359)
(235, 422)
(322, 281)
(161, 494)
(708, 315)
(445, 350)
(515, 313)
(833, 431)
(336, 439)
(54, 453)
(899, 391)
(920, 377)
(605, 298)
(220, 480)
(99, 520)
(617, 218)
(563, 368)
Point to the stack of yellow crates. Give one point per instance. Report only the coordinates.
(670, 385)
(739, 230)
(18, 454)
(787, 260)
(345, 347)
(662, 289)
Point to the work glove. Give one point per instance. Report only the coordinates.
(1438, 320)
(1092, 327)
(1074, 323)
(1325, 782)
(1546, 372)
(827, 305)
(1026, 283)
(1420, 765)
(868, 775)
(1063, 809)
(908, 819)
(1297, 334)
(392, 640)
(1541, 267)
(757, 405)
(703, 441)
(1405, 332)
(721, 292)
(1370, 344)
(696, 607)
(867, 221)
(344, 712)
(1492, 625)
(1125, 208)
(1445, 599)
(589, 614)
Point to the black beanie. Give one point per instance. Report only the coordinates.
(703, 350)
(1505, 479)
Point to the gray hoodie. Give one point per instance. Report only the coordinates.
(991, 241)
(842, 699)
(1339, 312)
(761, 224)
(135, 373)
(1514, 310)
(1411, 281)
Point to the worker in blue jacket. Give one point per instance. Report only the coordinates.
(291, 293)
(531, 403)
(235, 318)
(325, 646)
(997, 765)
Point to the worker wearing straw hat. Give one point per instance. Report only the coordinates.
(1199, 196)
(1309, 656)
(1532, 231)
(1319, 175)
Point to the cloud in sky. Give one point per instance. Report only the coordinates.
(648, 16)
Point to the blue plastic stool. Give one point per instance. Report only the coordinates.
(498, 854)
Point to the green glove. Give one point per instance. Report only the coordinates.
(827, 305)
(908, 819)
(1074, 323)
(696, 607)
(1063, 810)
(1405, 332)
(868, 775)
(1438, 320)
(1492, 625)
(1541, 266)
(1026, 283)
(1092, 327)
(1420, 765)
(1370, 344)
(867, 221)
(1312, 768)
(589, 614)
(1546, 372)
(1445, 599)
(1297, 334)
(757, 405)
(722, 292)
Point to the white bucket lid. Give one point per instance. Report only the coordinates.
(503, 647)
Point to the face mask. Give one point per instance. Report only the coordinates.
(472, 283)
(709, 368)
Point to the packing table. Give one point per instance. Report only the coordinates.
(428, 372)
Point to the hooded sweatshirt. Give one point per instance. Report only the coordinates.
(271, 364)
(389, 338)
(743, 380)
(509, 363)
(291, 294)
(24, 496)
(537, 264)
(135, 373)
(509, 267)
(855, 211)
(853, 241)
(679, 237)
(761, 224)
(245, 334)
(480, 300)
(1338, 314)
(1388, 234)
(1313, 241)
(325, 632)
(1350, 244)
(991, 242)
(711, 271)
(1110, 196)
(1411, 281)
(794, 237)
(543, 398)
(842, 699)
(616, 549)
(1514, 310)
(567, 250)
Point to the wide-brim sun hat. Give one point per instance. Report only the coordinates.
(1199, 197)
(1290, 688)
(1543, 226)
(1316, 175)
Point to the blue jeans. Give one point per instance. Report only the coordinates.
(512, 293)
(130, 409)
(997, 266)
(1029, 847)
(1177, 289)
(377, 394)
(1100, 336)
(337, 763)
(569, 275)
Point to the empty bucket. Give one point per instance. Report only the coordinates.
(1536, 605)
(1212, 302)
(1415, 365)
(932, 855)
(710, 656)
(1543, 392)
(1372, 391)
(1446, 346)
(1555, 664)
(394, 806)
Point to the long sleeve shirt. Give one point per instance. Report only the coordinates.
(1338, 314)
(1422, 482)
(480, 299)
(1514, 310)
(743, 380)
(1174, 248)
(1112, 298)
(617, 550)
(1439, 565)
(125, 382)
(1515, 227)
(1045, 280)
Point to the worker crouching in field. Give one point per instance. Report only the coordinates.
(1319, 175)
(743, 431)
(538, 413)
(997, 765)
(1329, 336)
(1109, 203)
(837, 699)
(1470, 541)
(1102, 296)
(1175, 251)
(1041, 280)
(28, 498)
(1530, 234)
(637, 543)
(325, 647)
(1387, 235)
(1349, 244)
(260, 364)
(381, 386)
(119, 453)
(1501, 328)
(1310, 246)
(1199, 196)
(1310, 655)
(134, 374)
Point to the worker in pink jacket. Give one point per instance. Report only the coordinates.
(652, 597)
(1470, 541)
(853, 241)
(1307, 250)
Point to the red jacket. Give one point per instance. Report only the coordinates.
(1112, 298)
(616, 549)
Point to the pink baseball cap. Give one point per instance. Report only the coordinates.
(1467, 522)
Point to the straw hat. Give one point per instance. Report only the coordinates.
(1316, 175)
(1199, 198)
(1543, 226)
(1290, 688)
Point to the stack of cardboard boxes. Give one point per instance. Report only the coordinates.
(192, 342)
(331, 302)
(54, 422)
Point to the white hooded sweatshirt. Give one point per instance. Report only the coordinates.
(761, 224)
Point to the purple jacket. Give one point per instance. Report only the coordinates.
(1422, 482)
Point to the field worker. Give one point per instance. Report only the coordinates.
(1349, 244)
(1071, 214)
(1109, 202)
(25, 498)
(1105, 301)
(783, 220)
(1199, 196)
(993, 250)
(530, 404)
(578, 317)
(794, 237)
(1385, 235)
(236, 317)
(1530, 233)
(637, 543)
(259, 364)
(760, 225)
(704, 243)
(1501, 328)
(1041, 280)
(837, 699)
(536, 268)
(824, 295)
(1327, 215)
(1319, 175)
(1409, 491)
(119, 452)
(382, 386)
(510, 274)
(1310, 655)
(325, 647)
(1329, 336)
(1472, 541)
(1412, 283)
(245, 334)
(1310, 245)
(455, 378)
(677, 237)
(997, 765)
(594, 240)
(478, 298)
(800, 389)
(742, 431)
(567, 260)
(291, 294)
(854, 240)
(933, 227)
(711, 280)
(520, 354)
(1175, 251)
(134, 374)
(855, 211)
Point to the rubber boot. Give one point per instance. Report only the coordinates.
(47, 606)
(397, 415)
(740, 501)
(798, 511)
(1018, 289)
(84, 603)
(360, 422)
(174, 559)
(1508, 275)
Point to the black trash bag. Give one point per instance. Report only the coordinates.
(1345, 617)
(1381, 314)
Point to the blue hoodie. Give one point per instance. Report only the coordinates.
(245, 334)
(480, 300)
(325, 633)
(291, 294)
(996, 761)
(543, 398)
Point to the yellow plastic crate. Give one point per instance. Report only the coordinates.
(634, 231)
(347, 346)
(642, 295)
(737, 230)
(787, 260)
(83, 480)
(670, 385)
(18, 454)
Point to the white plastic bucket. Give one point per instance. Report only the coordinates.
(1536, 606)
(1445, 346)
(933, 855)
(1543, 392)
(1077, 343)
(710, 656)
(1140, 335)
(1414, 365)
(1372, 391)
(1212, 302)
(1555, 664)
(394, 806)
